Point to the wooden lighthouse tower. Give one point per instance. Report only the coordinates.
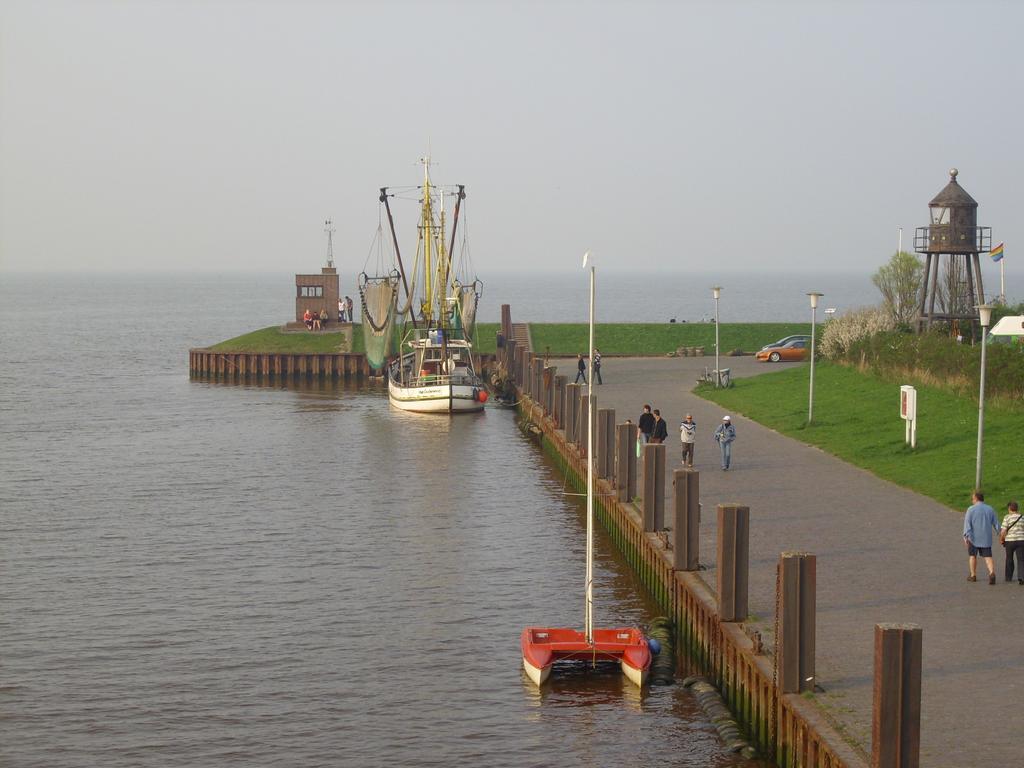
(951, 244)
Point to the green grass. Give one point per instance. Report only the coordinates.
(273, 341)
(856, 417)
(657, 338)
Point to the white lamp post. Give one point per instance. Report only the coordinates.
(814, 313)
(717, 292)
(985, 316)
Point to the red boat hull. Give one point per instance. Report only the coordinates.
(543, 646)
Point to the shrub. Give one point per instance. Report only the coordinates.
(841, 333)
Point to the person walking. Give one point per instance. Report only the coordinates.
(724, 436)
(581, 370)
(595, 361)
(341, 311)
(1011, 536)
(348, 308)
(660, 431)
(979, 525)
(645, 425)
(688, 436)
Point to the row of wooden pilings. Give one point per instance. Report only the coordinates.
(762, 691)
(337, 365)
(326, 365)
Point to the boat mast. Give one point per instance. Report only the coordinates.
(398, 254)
(589, 618)
(427, 234)
(459, 197)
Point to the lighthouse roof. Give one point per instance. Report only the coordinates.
(953, 195)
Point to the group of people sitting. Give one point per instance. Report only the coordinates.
(313, 320)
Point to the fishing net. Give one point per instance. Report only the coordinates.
(379, 296)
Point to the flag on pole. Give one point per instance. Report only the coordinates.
(997, 253)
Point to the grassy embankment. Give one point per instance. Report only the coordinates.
(553, 338)
(856, 417)
(273, 341)
(657, 338)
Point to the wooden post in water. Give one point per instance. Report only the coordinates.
(559, 403)
(653, 507)
(896, 714)
(549, 390)
(686, 520)
(625, 456)
(733, 561)
(537, 387)
(572, 410)
(797, 587)
(586, 413)
(605, 466)
(506, 333)
(510, 360)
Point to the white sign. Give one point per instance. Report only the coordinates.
(908, 412)
(1011, 325)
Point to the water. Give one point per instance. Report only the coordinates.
(206, 574)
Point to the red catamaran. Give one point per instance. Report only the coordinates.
(627, 646)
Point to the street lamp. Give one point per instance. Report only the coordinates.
(814, 313)
(985, 316)
(717, 292)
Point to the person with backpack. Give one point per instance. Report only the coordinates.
(1011, 536)
(724, 436)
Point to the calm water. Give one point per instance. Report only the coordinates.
(198, 574)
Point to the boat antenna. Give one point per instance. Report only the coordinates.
(589, 615)
(330, 230)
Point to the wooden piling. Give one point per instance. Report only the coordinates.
(733, 561)
(896, 714)
(796, 595)
(559, 401)
(653, 503)
(686, 519)
(605, 455)
(572, 410)
(625, 457)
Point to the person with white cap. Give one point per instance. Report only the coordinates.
(688, 436)
(724, 436)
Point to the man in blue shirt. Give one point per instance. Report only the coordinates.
(979, 525)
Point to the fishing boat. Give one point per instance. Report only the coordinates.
(543, 647)
(434, 370)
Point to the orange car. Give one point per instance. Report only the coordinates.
(793, 351)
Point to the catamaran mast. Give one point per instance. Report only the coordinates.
(589, 618)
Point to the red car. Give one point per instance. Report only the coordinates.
(794, 351)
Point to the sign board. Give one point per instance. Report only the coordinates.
(908, 412)
(1011, 325)
(908, 402)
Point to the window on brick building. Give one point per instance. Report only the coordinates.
(311, 291)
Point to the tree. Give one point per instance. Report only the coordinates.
(899, 282)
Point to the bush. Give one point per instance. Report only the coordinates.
(841, 333)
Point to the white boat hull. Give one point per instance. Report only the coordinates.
(636, 676)
(438, 398)
(537, 674)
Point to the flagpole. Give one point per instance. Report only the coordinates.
(1002, 284)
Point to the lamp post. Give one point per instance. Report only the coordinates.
(717, 292)
(814, 313)
(985, 316)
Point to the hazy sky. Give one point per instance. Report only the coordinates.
(679, 136)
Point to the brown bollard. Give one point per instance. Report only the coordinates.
(559, 400)
(572, 411)
(896, 714)
(733, 561)
(605, 451)
(625, 460)
(686, 521)
(794, 646)
(653, 507)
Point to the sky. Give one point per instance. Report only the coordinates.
(665, 137)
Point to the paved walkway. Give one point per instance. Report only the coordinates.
(885, 554)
